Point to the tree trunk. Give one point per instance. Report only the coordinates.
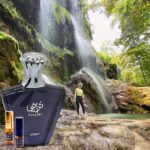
(139, 60)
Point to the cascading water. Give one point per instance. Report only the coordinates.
(45, 17)
(45, 26)
(101, 88)
(87, 55)
(47, 79)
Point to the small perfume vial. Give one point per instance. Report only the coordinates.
(19, 132)
(9, 128)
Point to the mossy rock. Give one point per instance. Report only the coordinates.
(138, 98)
(10, 66)
(9, 59)
(60, 13)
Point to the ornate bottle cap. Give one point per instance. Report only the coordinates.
(33, 63)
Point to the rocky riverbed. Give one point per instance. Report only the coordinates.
(94, 133)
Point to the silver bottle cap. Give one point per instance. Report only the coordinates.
(33, 63)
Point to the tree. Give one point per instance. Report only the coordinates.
(133, 16)
(110, 64)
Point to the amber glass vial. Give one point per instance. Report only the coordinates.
(9, 128)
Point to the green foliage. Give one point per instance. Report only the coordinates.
(137, 61)
(60, 13)
(9, 6)
(110, 65)
(57, 66)
(128, 76)
(9, 13)
(94, 5)
(3, 27)
(133, 16)
(87, 25)
(6, 37)
(9, 53)
(55, 50)
(16, 70)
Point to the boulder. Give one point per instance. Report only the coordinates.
(97, 96)
(128, 98)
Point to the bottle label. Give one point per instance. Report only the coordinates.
(9, 136)
(35, 110)
(19, 141)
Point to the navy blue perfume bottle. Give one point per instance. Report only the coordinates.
(37, 102)
(19, 132)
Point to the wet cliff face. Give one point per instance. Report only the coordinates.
(29, 9)
(10, 67)
(63, 34)
(62, 30)
(19, 18)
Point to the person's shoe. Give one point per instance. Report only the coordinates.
(79, 116)
(83, 116)
(86, 114)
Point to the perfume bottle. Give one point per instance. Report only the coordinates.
(19, 132)
(37, 102)
(9, 128)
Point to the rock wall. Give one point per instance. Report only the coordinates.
(18, 19)
(129, 99)
(29, 9)
(93, 98)
(10, 67)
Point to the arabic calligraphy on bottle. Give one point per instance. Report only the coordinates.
(34, 109)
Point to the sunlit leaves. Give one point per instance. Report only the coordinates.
(134, 19)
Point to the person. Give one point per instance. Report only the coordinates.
(79, 99)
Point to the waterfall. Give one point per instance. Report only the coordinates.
(45, 27)
(45, 17)
(87, 54)
(47, 79)
(103, 92)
